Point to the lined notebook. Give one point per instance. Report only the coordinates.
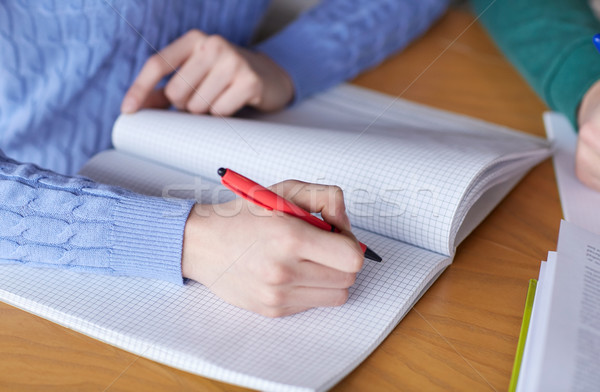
(416, 182)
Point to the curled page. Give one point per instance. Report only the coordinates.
(415, 184)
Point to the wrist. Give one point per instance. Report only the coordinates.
(192, 257)
(278, 89)
(206, 244)
(283, 79)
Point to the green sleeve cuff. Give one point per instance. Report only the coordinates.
(574, 74)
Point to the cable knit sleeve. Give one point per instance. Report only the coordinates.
(50, 220)
(337, 39)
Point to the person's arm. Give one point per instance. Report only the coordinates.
(550, 43)
(337, 39)
(330, 43)
(266, 262)
(587, 156)
(51, 220)
(212, 76)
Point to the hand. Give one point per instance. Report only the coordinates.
(269, 262)
(212, 76)
(587, 156)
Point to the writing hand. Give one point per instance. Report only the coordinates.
(213, 76)
(269, 262)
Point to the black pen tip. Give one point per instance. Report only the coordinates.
(222, 171)
(369, 254)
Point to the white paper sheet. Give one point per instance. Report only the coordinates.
(569, 358)
(580, 204)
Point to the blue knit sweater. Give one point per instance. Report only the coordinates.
(64, 68)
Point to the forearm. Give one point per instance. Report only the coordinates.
(337, 39)
(550, 42)
(52, 220)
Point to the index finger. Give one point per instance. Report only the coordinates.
(158, 66)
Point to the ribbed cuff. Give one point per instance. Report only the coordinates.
(579, 69)
(147, 237)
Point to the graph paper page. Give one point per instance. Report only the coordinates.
(406, 185)
(189, 328)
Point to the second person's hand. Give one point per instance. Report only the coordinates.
(211, 76)
(587, 157)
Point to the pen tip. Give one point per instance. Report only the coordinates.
(222, 171)
(369, 254)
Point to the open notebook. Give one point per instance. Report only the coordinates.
(416, 180)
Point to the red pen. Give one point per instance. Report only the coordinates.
(269, 200)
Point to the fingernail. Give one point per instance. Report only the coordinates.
(129, 104)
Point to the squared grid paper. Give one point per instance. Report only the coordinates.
(191, 329)
(409, 182)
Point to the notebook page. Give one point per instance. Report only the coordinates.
(406, 185)
(349, 107)
(187, 327)
(488, 188)
(152, 179)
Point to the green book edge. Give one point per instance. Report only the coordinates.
(523, 335)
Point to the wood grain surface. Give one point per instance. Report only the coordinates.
(461, 335)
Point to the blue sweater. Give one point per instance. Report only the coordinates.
(64, 69)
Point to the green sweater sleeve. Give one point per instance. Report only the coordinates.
(550, 43)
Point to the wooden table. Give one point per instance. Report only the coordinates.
(461, 335)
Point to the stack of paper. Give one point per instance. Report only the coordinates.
(563, 343)
(562, 350)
